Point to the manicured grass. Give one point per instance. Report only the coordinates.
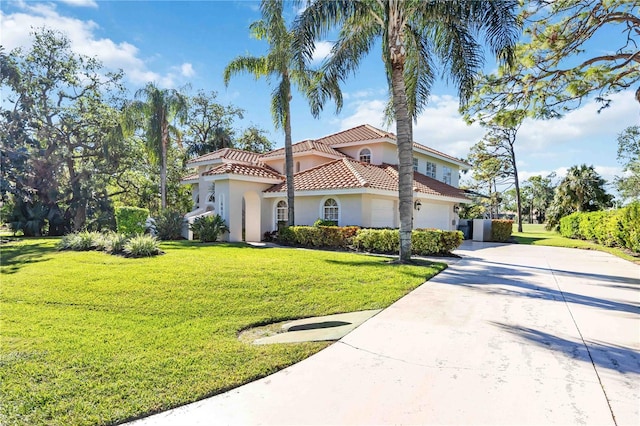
(91, 338)
(535, 234)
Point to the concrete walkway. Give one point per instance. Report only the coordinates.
(509, 334)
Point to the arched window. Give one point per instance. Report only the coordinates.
(365, 155)
(330, 210)
(281, 211)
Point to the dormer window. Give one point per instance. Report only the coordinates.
(365, 155)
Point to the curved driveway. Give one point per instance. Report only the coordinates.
(509, 334)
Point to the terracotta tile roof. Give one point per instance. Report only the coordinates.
(244, 169)
(192, 176)
(306, 146)
(347, 173)
(228, 154)
(360, 133)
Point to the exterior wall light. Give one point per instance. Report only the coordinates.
(456, 209)
(417, 204)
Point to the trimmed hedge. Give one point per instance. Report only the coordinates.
(385, 241)
(501, 230)
(131, 220)
(612, 228)
(318, 236)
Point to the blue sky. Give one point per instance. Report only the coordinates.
(178, 42)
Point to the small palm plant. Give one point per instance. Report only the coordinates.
(209, 228)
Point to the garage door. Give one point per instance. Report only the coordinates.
(432, 216)
(382, 212)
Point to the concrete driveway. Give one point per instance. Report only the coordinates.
(509, 334)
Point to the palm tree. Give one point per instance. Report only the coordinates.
(153, 111)
(413, 34)
(277, 63)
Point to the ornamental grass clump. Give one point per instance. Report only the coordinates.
(168, 225)
(142, 246)
(114, 242)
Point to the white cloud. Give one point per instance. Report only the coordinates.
(323, 50)
(81, 3)
(17, 28)
(187, 70)
(580, 124)
(366, 112)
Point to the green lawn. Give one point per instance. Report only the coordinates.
(90, 338)
(535, 234)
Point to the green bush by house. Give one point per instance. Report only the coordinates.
(131, 220)
(209, 228)
(612, 228)
(424, 241)
(501, 230)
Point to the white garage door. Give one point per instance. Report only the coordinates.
(432, 216)
(382, 213)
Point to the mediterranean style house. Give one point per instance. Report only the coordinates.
(349, 177)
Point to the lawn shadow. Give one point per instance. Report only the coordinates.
(613, 357)
(14, 256)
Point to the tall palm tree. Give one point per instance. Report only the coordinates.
(278, 64)
(413, 33)
(153, 111)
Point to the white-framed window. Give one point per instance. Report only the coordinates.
(330, 210)
(431, 169)
(415, 164)
(282, 212)
(446, 175)
(365, 155)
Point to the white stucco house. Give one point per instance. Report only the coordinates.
(350, 177)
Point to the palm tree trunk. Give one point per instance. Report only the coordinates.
(288, 157)
(404, 133)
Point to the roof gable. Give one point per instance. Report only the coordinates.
(307, 146)
(227, 154)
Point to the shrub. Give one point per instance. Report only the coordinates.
(630, 226)
(81, 241)
(169, 225)
(325, 222)
(424, 242)
(377, 240)
(501, 230)
(614, 228)
(209, 228)
(142, 246)
(131, 220)
(570, 225)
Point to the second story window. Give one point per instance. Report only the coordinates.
(431, 169)
(446, 175)
(415, 164)
(365, 155)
